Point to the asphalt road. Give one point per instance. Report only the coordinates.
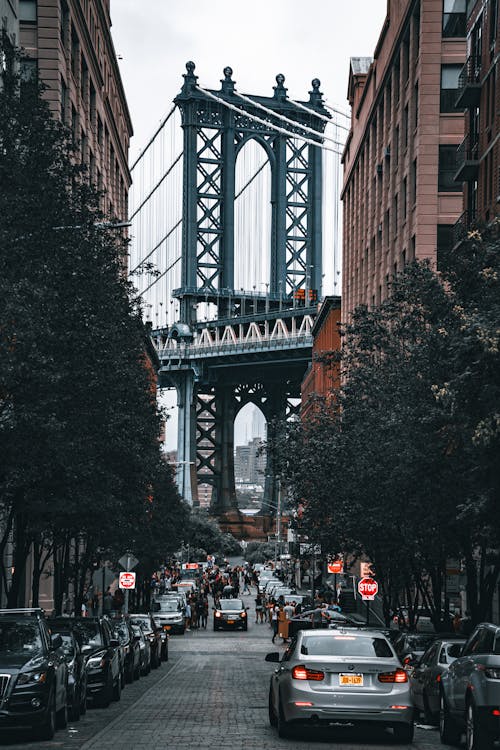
(211, 694)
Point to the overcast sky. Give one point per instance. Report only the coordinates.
(301, 39)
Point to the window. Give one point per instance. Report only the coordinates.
(75, 52)
(444, 245)
(405, 127)
(449, 86)
(415, 111)
(404, 198)
(493, 21)
(64, 20)
(447, 170)
(28, 69)
(396, 146)
(454, 19)
(64, 99)
(413, 184)
(27, 11)
(92, 105)
(395, 214)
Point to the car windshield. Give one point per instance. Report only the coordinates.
(231, 604)
(137, 630)
(345, 645)
(144, 622)
(169, 605)
(420, 642)
(20, 639)
(91, 634)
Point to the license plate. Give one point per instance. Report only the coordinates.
(230, 622)
(350, 679)
(167, 627)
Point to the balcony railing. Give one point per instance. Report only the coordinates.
(467, 159)
(469, 83)
(463, 226)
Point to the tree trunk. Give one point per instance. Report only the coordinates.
(22, 543)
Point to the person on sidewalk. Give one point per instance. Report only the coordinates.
(274, 620)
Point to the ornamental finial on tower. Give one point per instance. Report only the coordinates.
(279, 89)
(190, 80)
(315, 96)
(227, 81)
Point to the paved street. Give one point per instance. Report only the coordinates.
(212, 693)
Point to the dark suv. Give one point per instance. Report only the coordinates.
(104, 670)
(33, 673)
(76, 661)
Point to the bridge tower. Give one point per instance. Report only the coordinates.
(256, 347)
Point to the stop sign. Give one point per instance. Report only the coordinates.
(127, 580)
(368, 588)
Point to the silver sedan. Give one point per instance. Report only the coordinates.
(340, 677)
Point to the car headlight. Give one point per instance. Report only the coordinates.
(217, 614)
(243, 614)
(32, 678)
(96, 661)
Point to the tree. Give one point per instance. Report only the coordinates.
(79, 425)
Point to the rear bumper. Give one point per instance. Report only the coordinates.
(225, 625)
(323, 714)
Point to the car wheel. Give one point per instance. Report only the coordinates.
(75, 710)
(283, 726)
(117, 689)
(129, 675)
(137, 673)
(429, 717)
(477, 734)
(48, 728)
(403, 733)
(62, 717)
(448, 731)
(273, 720)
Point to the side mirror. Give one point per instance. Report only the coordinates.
(274, 656)
(247, 608)
(56, 641)
(114, 643)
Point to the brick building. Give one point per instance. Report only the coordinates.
(69, 42)
(478, 157)
(400, 195)
(322, 376)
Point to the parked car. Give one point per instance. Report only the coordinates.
(169, 614)
(104, 676)
(145, 648)
(410, 647)
(129, 644)
(77, 664)
(470, 691)
(329, 676)
(155, 636)
(425, 680)
(322, 617)
(33, 674)
(230, 614)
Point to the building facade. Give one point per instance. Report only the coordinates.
(478, 157)
(399, 193)
(323, 376)
(9, 22)
(69, 43)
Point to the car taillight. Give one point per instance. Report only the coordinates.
(302, 673)
(398, 676)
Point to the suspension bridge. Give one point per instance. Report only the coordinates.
(235, 236)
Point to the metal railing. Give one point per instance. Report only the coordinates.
(468, 150)
(463, 226)
(470, 73)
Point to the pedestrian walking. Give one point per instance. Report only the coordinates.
(107, 602)
(274, 620)
(259, 609)
(187, 614)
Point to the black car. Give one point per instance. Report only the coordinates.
(77, 664)
(33, 674)
(145, 648)
(104, 678)
(230, 613)
(130, 647)
(158, 639)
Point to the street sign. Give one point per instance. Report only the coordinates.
(365, 570)
(102, 578)
(127, 580)
(128, 561)
(337, 566)
(368, 589)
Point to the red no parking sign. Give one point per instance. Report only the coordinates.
(127, 580)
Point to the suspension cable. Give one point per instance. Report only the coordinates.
(169, 268)
(269, 125)
(170, 231)
(146, 147)
(252, 178)
(306, 128)
(176, 160)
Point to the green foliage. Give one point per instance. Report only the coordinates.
(259, 552)
(204, 537)
(405, 467)
(79, 425)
